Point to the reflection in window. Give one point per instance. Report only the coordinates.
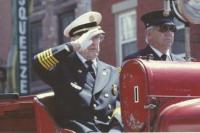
(128, 48)
(37, 2)
(35, 41)
(36, 36)
(179, 39)
(64, 20)
(62, 0)
(127, 27)
(127, 33)
(179, 42)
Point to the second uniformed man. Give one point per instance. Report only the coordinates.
(160, 31)
(86, 89)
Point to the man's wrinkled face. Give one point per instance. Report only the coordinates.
(162, 37)
(93, 50)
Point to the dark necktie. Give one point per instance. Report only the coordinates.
(163, 57)
(90, 68)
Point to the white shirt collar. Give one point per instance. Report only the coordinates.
(160, 54)
(83, 60)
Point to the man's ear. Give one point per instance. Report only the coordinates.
(148, 33)
(147, 36)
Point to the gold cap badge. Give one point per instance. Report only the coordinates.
(91, 18)
(114, 89)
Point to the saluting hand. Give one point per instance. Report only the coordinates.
(86, 39)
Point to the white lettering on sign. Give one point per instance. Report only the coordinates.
(23, 82)
(23, 46)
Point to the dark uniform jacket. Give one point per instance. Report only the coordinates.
(149, 51)
(82, 103)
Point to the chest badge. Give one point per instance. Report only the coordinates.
(114, 89)
(79, 71)
(75, 86)
(104, 73)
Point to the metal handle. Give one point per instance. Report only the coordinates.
(150, 106)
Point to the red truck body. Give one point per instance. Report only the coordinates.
(160, 96)
(155, 96)
(28, 114)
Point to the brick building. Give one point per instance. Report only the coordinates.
(121, 22)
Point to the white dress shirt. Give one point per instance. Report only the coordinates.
(160, 54)
(83, 60)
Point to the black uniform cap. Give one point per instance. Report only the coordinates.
(155, 18)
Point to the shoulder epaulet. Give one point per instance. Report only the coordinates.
(117, 111)
(119, 69)
(47, 59)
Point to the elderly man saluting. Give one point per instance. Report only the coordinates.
(86, 89)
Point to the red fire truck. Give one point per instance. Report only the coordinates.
(160, 96)
(155, 95)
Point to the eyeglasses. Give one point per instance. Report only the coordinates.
(166, 27)
(99, 36)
